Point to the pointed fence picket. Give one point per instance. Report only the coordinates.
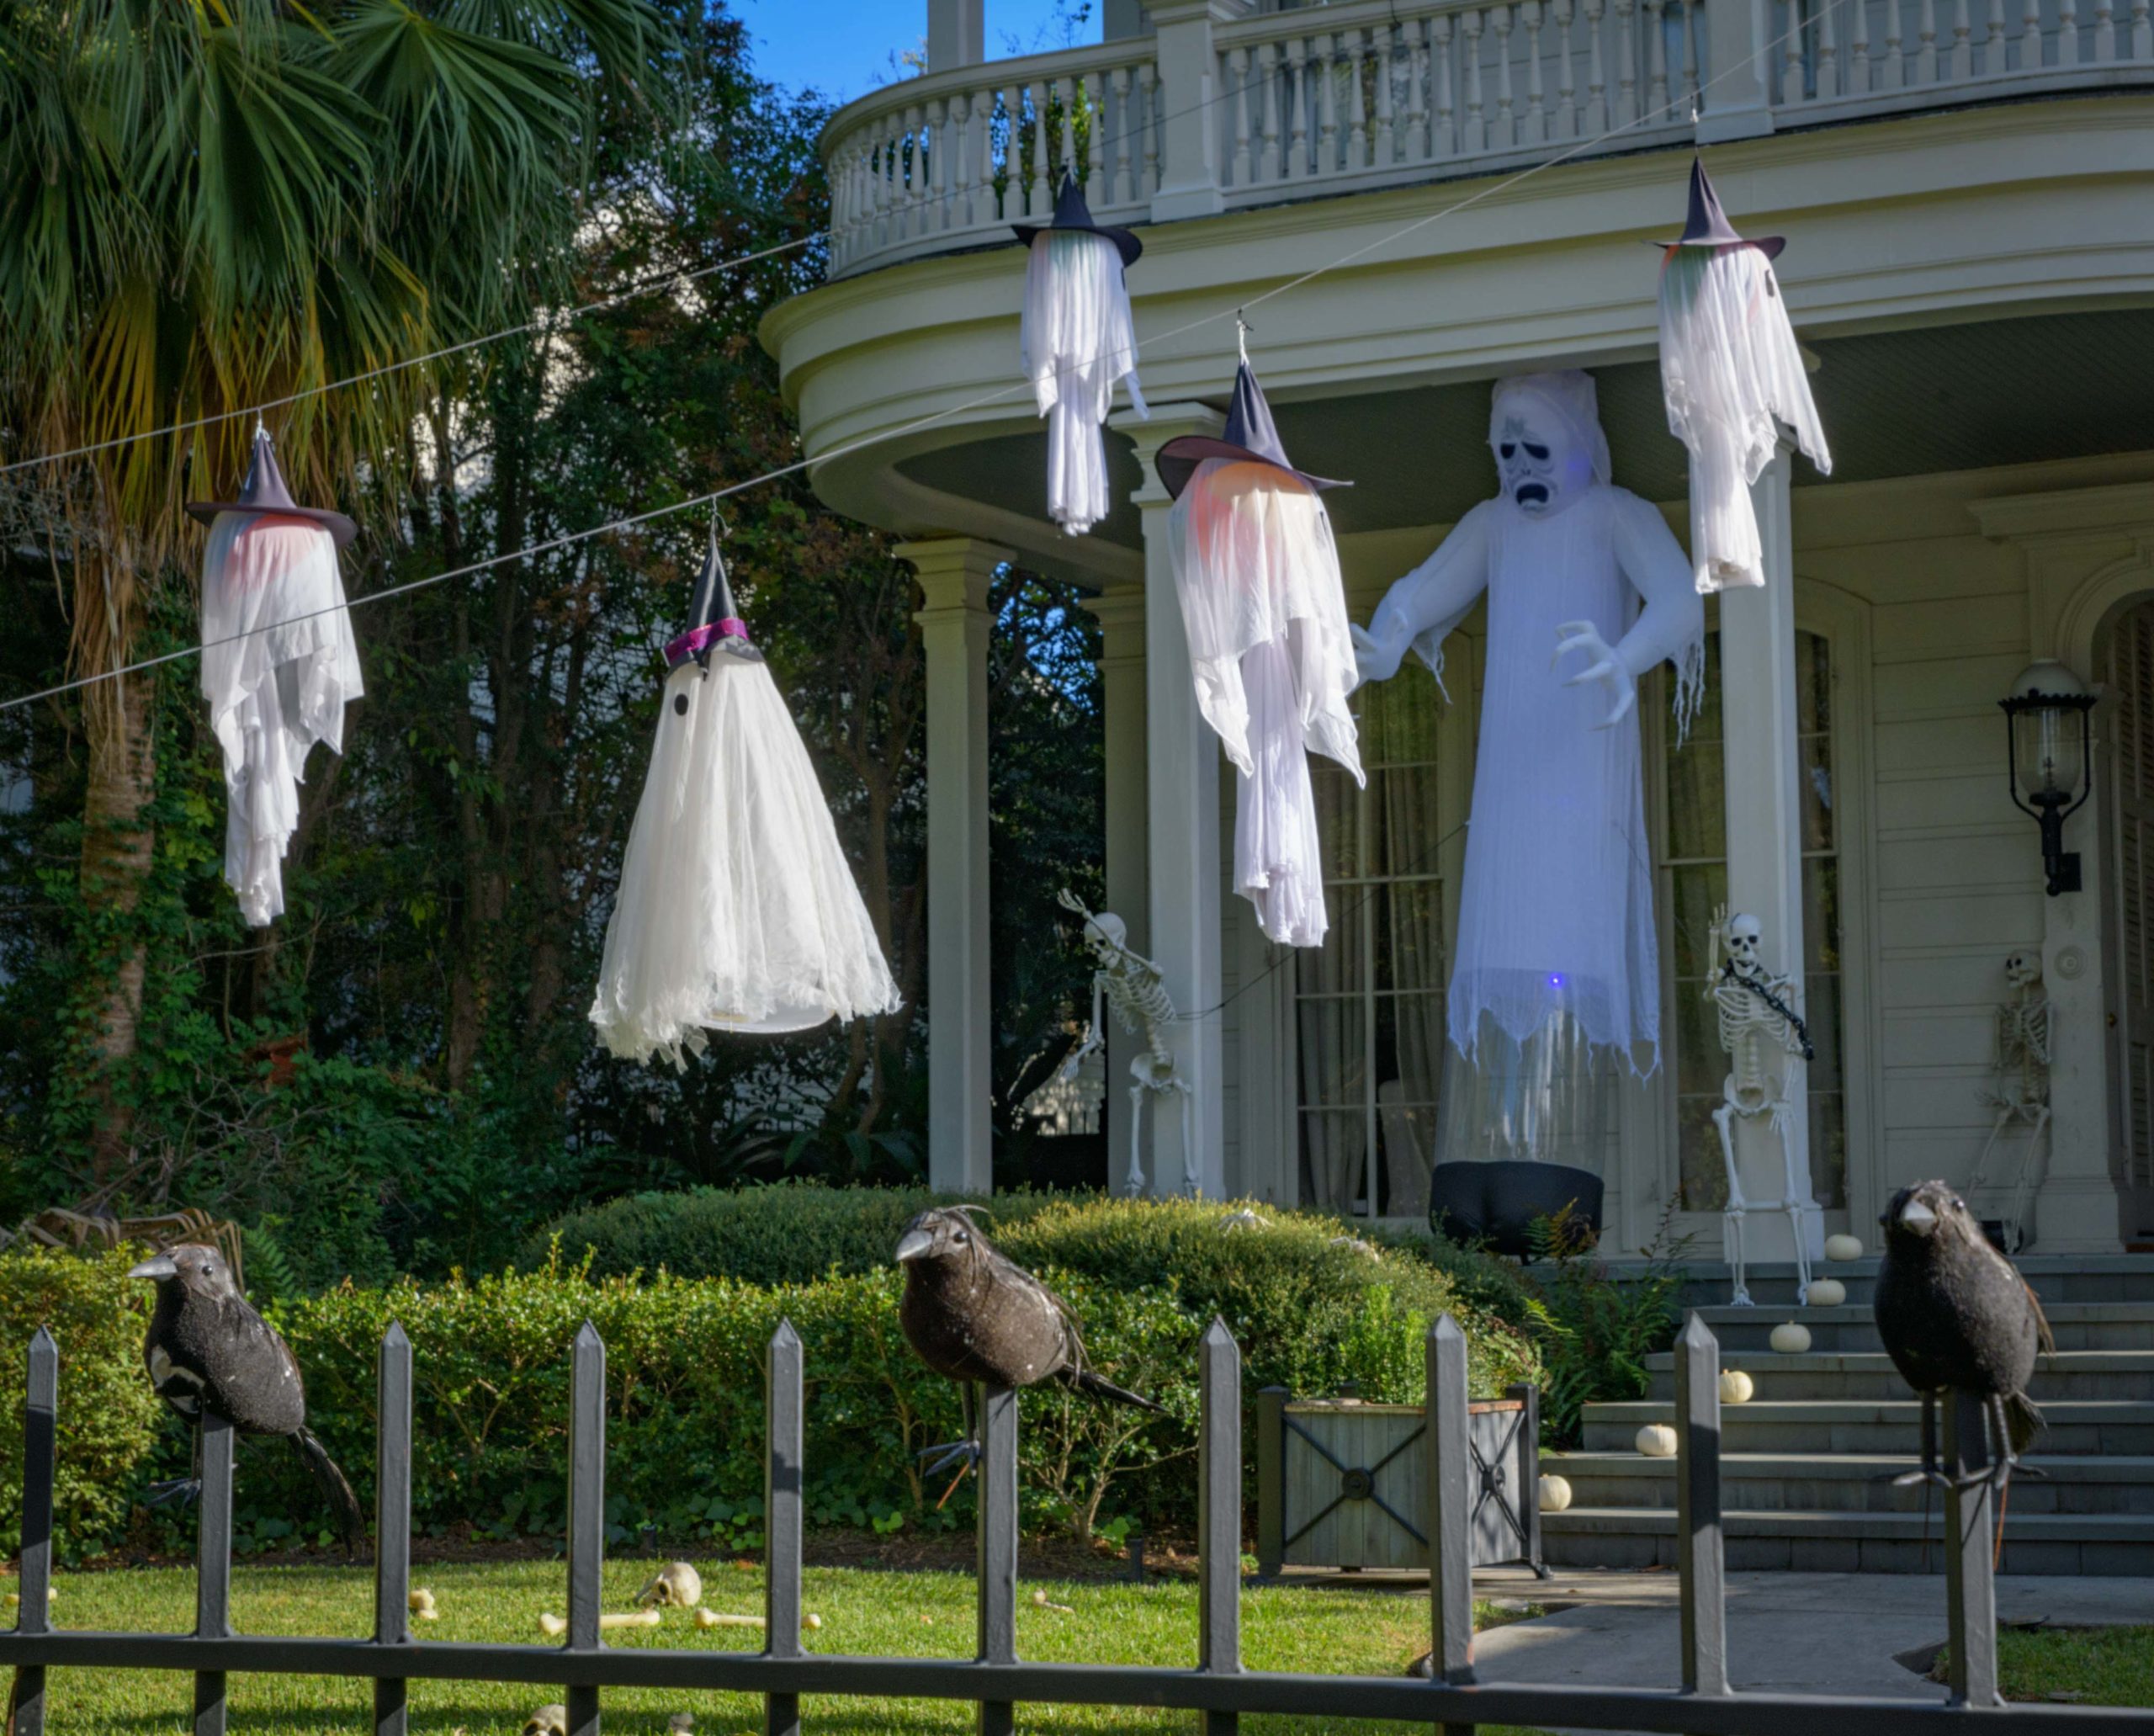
(1219, 1687)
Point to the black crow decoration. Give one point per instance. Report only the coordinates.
(1956, 1316)
(974, 1315)
(208, 1350)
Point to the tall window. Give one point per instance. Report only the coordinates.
(1694, 884)
(1369, 1003)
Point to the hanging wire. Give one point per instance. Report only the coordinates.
(1237, 313)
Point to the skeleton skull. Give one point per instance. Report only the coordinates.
(1106, 934)
(1744, 937)
(2022, 970)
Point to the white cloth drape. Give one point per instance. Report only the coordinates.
(737, 909)
(1077, 339)
(1555, 904)
(279, 666)
(1265, 612)
(1731, 372)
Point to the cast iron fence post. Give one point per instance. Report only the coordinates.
(1271, 1482)
(1969, 1555)
(997, 1534)
(1451, 1512)
(782, 1469)
(1220, 1516)
(1702, 1556)
(212, 1565)
(586, 1515)
(1529, 1473)
(392, 1522)
(41, 1438)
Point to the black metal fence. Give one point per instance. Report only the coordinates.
(1218, 1687)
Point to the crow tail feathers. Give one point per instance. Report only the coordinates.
(343, 1505)
(2022, 1421)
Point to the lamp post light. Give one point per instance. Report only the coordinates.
(2047, 738)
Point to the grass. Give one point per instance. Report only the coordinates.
(2091, 1666)
(1322, 1629)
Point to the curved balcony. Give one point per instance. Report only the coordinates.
(1208, 115)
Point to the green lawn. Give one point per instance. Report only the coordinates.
(1329, 1628)
(2092, 1666)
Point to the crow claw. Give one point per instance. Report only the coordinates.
(184, 1491)
(951, 1452)
(1911, 1479)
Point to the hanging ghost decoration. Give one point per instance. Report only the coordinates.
(1077, 339)
(736, 909)
(1556, 919)
(1731, 372)
(1265, 612)
(279, 665)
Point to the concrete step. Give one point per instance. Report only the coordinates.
(1808, 1425)
(2056, 1277)
(2077, 1326)
(1850, 1483)
(1869, 1374)
(1811, 1541)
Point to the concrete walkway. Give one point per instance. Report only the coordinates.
(1815, 1634)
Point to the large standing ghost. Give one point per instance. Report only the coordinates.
(1556, 926)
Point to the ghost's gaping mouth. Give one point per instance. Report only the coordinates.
(1532, 494)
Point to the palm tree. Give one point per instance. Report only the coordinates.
(206, 204)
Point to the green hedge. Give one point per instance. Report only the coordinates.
(108, 1417)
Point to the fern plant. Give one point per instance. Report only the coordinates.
(1595, 1330)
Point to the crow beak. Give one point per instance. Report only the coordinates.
(1918, 1218)
(913, 1243)
(158, 1266)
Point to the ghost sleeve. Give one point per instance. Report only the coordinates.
(1422, 608)
(1672, 624)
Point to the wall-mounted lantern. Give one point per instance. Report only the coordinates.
(2047, 713)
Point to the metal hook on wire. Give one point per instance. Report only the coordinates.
(1242, 329)
(719, 530)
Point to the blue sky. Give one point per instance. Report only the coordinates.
(843, 47)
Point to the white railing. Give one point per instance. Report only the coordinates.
(1207, 115)
(950, 160)
(1860, 57)
(1350, 95)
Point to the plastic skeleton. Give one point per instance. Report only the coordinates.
(1758, 1025)
(2024, 1025)
(1131, 984)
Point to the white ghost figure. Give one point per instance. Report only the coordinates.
(737, 910)
(279, 666)
(1732, 373)
(1077, 340)
(1556, 908)
(1265, 611)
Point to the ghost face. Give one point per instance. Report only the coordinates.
(1544, 470)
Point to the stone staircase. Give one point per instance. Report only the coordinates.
(1806, 1465)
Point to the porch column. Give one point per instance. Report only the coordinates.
(1763, 781)
(1736, 78)
(1121, 616)
(1182, 795)
(956, 34)
(954, 573)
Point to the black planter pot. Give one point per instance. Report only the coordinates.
(1496, 1202)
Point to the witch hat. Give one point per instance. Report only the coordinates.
(264, 492)
(1071, 212)
(1708, 225)
(1250, 435)
(713, 620)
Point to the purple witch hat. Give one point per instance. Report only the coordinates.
(1250, 435)
(714, 622)
(1707, 226)
(264, 492)
(1071, 212)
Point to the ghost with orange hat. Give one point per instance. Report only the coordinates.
(1732, 373)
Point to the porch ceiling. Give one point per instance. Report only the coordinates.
(1939, 398)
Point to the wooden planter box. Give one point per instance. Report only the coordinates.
(1341, 1483)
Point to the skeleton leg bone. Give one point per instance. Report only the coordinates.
(1723, 1119)
(1134, 1182)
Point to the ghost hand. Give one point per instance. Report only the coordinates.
(1605, 667)
(1375, 658)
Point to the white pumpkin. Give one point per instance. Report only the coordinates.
(1657, 1441)
(1736, 1388)
(1827, 1292)
(1554, 1493)
(1790, 1338)
(1844, 1247)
